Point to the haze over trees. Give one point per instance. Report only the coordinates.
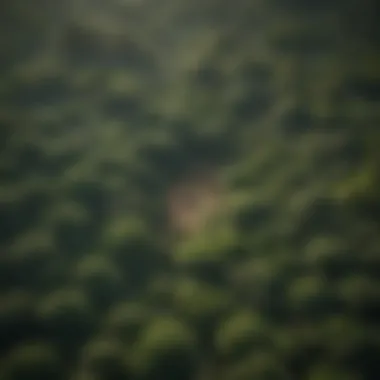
(189, 190)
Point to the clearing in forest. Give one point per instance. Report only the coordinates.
(193, 200)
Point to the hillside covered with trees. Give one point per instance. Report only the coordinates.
(189, 190)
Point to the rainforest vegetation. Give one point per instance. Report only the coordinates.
(189, 190)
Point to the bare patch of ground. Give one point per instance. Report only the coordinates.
(193, 200)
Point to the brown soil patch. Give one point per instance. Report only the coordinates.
(192, 201)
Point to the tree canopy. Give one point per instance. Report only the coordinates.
(189, 190)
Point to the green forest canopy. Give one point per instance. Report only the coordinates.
(106, 106)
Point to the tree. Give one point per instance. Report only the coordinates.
(126, 320)
(202, 305)
(166, 349)
(207, 253)
(103, 357)
(101, 280)
(72, 226)
(17, 321)
(329, 255)
(32, 259)
(263, 365)
(67, 317)
(327, 372)
(33, 360)
(360, 294)
(250, 210)
(310, 297)
(127, 240)
(239, 333)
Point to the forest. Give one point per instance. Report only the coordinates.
(189, 190)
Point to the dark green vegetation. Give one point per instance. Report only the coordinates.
(104, 105)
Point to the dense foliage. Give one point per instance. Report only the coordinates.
(105, 106)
